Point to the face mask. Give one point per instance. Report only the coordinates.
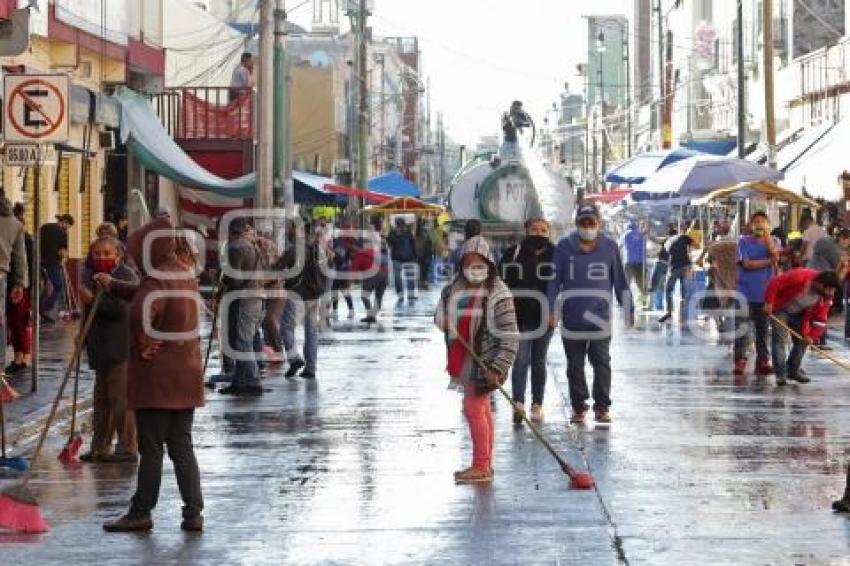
(588, 234)
(537, 241)
(477, 274)
(758, 232)
(104, 265)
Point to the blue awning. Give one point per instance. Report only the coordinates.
(393, 184)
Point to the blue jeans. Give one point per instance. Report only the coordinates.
(679, 274)
(57, 281)
(404, 275)
(532, 352)
(755, 322)
(249, 318)
(311, 333)
(785, 364)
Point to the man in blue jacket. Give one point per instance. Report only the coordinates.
(588, 272)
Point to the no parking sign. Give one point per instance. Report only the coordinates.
(36, 108)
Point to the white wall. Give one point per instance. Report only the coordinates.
(201, 50)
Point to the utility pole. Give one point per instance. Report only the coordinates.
(667, 130)
(770, 116)
(628, 62)
(602, 109)
(742, 101)
(661, 97)
(282, 162)
(265, 124)
(441, 140)
(382, 166)
(363, 102)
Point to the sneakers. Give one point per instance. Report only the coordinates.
(798, 377)
(780, 380)
(308, 374)
(129, 523)
(842, 505)
(369, 319)
(764, 368)
(602, 417)
(537, 412)
(91, 458)
(120, 458)
(294, 367)
(578, 416)
(665, 317)
(14, 368)
(194, 523)
(473, 475)
(519, 410)
(740, 366)
(242, 391)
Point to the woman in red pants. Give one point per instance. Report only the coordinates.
(18, 314)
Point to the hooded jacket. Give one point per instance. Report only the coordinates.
(785, 287)
(168, 300)
(108, 342)
(496, 339)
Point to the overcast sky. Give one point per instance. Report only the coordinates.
(481, 54)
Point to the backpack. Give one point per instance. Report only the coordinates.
(312, 280)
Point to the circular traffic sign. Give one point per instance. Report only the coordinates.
(50, 111)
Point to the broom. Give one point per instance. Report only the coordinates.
(822, 352)
(18, 506)
(8, 393)
(578, 480)
(70, 454)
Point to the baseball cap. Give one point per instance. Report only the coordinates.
(587, 211)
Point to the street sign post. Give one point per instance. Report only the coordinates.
(35, 108)
(25, 155)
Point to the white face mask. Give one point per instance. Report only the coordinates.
(477, 274)
(588, 234)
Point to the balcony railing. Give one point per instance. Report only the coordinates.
(206, 113)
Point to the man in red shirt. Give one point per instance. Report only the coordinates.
(800, 298)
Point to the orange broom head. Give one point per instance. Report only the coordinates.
(70, 454)
(19, 511)
(581, 480)
(7, 392)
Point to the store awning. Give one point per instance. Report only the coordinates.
(765, 189)
(818, 170)
(154, 149)
(368, 196)
(393, 184)
(405, 205)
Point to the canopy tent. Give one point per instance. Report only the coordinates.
(698, 176)
(818, 170)
(405, 205)
(154, 148)
(393, 184)
(368, 196)
(764, 189)
(634, 171)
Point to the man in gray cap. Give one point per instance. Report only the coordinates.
(588, 273)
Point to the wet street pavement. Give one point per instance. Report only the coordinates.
(698, 468)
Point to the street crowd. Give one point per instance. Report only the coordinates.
(498, 315)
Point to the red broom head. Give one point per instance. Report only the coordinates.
(7, 392)
(581, 480)
(19, 511)
(70, 454)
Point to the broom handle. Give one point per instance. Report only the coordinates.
(820, 351)
(78, 347)
(74, 399)
(507, 397)
(2, 429)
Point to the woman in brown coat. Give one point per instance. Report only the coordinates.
(164, 381)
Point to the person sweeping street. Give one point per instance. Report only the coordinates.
(798, 300)
(164, 378)
(107, 349)
(477, 309)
